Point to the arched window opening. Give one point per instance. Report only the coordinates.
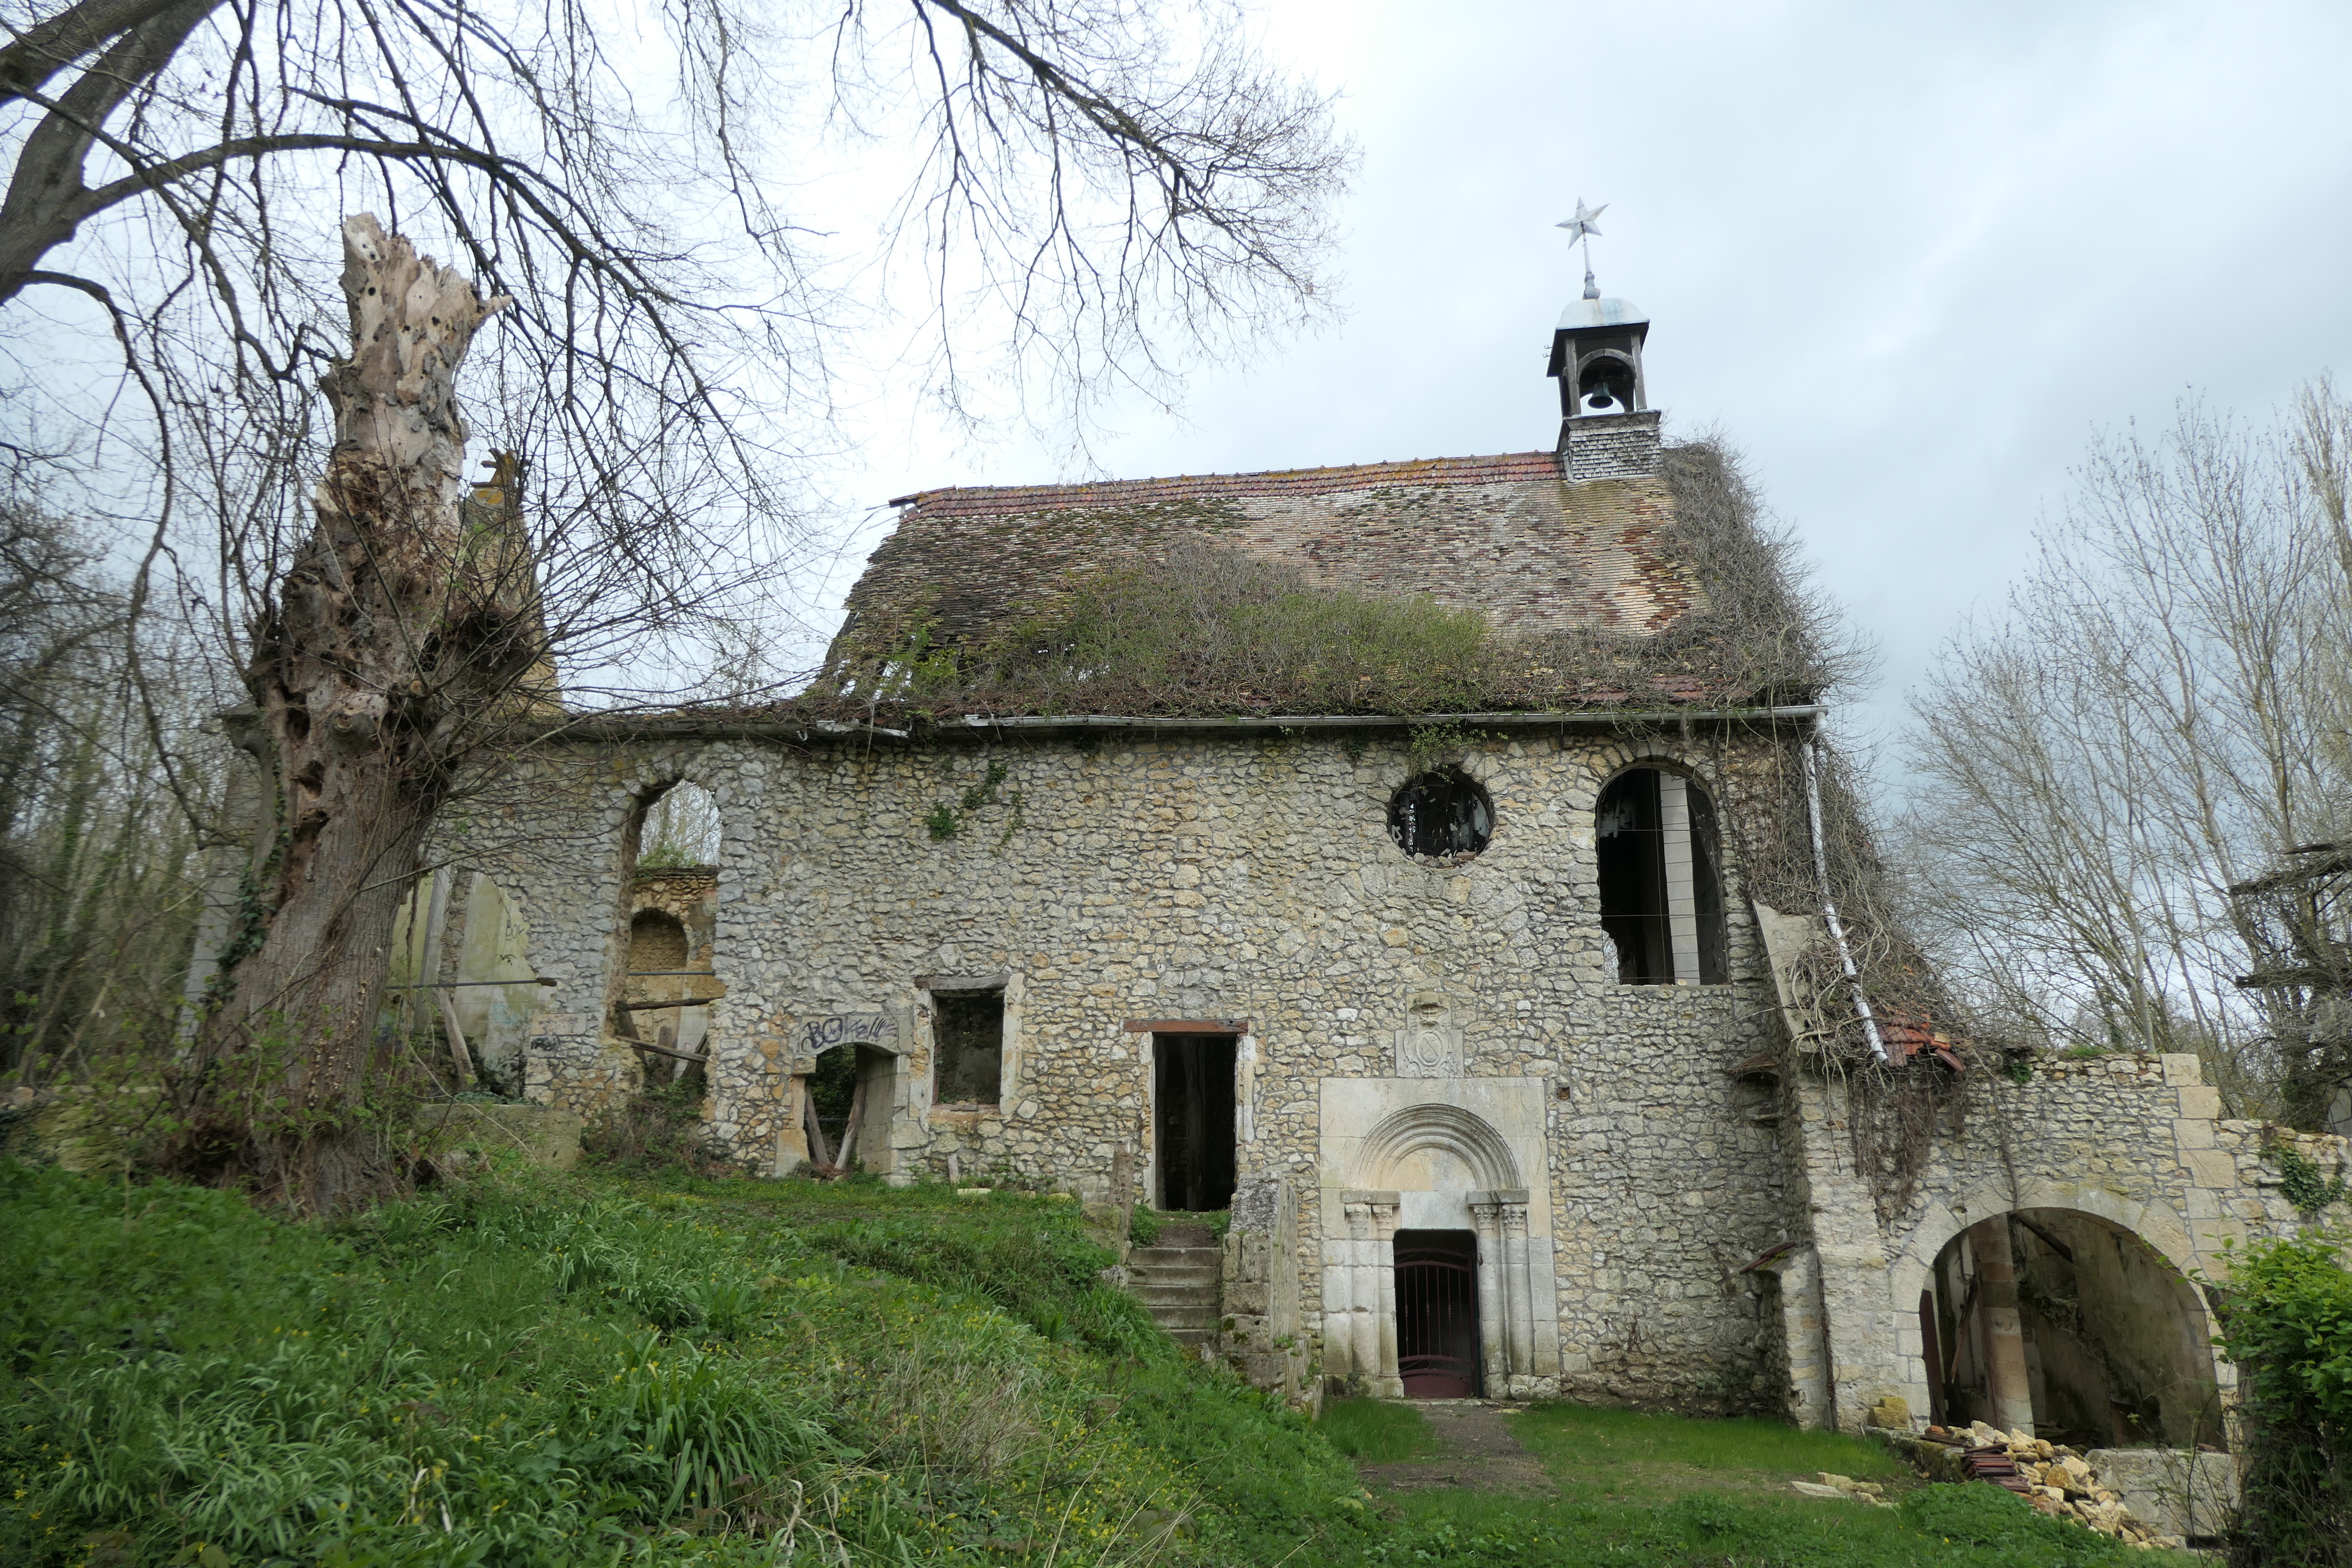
(1605, 385)
(662, 997)
(1660, 862)
(1444, 815)
(2055, 1320)
(681, 828)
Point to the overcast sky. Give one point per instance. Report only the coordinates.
(1909, 259)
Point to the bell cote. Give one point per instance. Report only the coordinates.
(1607, 428)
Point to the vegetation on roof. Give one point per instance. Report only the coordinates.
(1193, 626)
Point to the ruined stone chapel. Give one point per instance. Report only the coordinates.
(1511, 1074)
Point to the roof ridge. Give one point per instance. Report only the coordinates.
(1497, 467)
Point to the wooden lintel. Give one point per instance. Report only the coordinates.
(1188, 1026)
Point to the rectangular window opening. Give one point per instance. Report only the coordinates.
(968, 1034)
(1633, 864)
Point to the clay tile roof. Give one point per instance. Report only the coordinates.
(1507, 534)
(993, 500)
(1906, 1037)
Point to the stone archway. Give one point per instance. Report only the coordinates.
(1437, 1166)
(1419, 1145)
(2124, 1311)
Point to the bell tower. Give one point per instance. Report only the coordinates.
(1607, 427)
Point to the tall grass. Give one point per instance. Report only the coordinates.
(545, 1373)
(549, 1371)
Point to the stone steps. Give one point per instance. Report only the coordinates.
(1181, 1287)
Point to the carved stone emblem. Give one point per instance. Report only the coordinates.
(1430, 1043)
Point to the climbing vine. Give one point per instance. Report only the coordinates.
(945, 821)
(2306, 1188)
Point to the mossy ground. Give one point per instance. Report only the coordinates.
(528, 1370)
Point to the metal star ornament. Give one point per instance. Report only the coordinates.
(1580, 231)
(1582, 225)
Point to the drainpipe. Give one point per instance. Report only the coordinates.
(1829, 905)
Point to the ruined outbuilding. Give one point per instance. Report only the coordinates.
(1520, 1042)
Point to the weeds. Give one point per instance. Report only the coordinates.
(659, 1128)
(532, 1369)
(1377, 1431)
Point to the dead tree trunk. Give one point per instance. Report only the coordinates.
(397, 622)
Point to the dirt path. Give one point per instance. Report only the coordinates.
(1482, 1455)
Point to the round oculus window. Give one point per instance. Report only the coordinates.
(1443, 814)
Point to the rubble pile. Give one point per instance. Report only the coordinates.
(2051, 1476)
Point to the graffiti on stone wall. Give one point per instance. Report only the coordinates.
(846, 1029)
(564, 1034)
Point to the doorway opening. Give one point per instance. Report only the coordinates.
(1437, 1313)
(1193, 1093)
(848, 1108)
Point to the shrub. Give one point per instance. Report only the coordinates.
(2286, 1319)
(658, 1130)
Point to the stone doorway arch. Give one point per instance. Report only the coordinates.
(1433, 1166)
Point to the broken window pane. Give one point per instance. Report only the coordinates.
(968, 1031)
(1444, 813)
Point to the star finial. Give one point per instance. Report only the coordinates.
(1581, 224)
(1581, 230)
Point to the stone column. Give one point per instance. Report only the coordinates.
(1372, 1292)
(1681, 902)
(1382, 1251)
(1494, 1315)
(2013, 1395)
(792, 1136)
(1338, 1304)
(1517, 1285)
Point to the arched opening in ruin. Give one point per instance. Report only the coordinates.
(1437, 1261)
(2061, 1321)
(667, 981)
(1660, 863)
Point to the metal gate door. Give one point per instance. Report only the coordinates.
(1437, 1313)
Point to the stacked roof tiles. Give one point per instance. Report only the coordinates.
(1509, 535)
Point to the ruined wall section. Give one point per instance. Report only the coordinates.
(1213, 878)
(2137, 1141)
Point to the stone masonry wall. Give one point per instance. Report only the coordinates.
(2135, 1141)
(1215, 878)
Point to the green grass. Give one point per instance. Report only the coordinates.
(532, 1370)
(1627, 1453)
(1146, 1224)
(1673, 1492)
(555, 1371)
(1377, 1431)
